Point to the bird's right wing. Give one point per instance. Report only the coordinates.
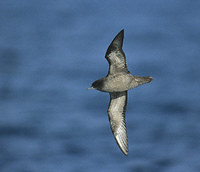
(115, 55)
(116, 114)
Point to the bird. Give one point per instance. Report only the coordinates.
(117, 83)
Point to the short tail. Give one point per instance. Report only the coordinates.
(143, 80)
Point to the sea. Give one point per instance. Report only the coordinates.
(51, 52)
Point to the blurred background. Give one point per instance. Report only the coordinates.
(51, 51)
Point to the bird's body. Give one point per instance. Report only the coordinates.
(117, 83)
(120, 82)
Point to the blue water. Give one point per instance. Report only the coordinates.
(51, 51)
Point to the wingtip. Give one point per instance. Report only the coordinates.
(123, 145)
(122, 31)
(121, 34)
(118, 40)
(123, 148)
(125, 152)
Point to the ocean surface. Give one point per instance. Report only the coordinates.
(50, 53)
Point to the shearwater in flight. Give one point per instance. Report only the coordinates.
(117, 82)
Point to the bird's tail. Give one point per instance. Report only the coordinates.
(143, 80)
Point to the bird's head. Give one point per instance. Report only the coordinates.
(98, 84)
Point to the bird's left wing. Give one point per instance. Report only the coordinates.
(115, 55)
(116, 114)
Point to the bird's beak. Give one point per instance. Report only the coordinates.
(90, 88)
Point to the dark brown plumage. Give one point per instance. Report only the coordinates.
(117, 82)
